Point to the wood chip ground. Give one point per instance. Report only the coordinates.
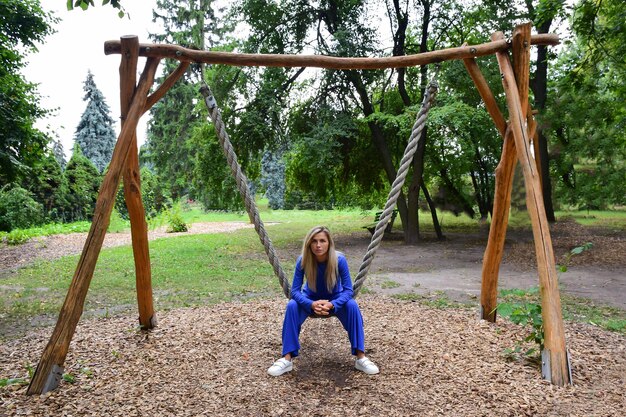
(213, 361)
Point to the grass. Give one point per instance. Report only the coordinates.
(575, 309)
(614, 219)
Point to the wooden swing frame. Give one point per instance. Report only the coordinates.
(518, 134)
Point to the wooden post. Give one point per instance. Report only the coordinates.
(555, 353)
(497, 231)
(132, 188)
(501, 202)
(50, 367)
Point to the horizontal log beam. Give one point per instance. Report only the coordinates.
(322, 61)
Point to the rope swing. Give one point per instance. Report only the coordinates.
(253, 212)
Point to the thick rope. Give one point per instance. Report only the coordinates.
(242, 185)
(411, 148)
(253, 213)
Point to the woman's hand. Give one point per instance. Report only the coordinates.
(322, 307)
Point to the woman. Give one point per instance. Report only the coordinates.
(327, 291)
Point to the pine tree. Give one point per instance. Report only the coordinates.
(177, 117)
(59, 153)
(95, 134)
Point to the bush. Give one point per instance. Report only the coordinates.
(17, 237)
(18, 209)
(175, 221)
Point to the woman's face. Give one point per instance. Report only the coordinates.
(319, 246)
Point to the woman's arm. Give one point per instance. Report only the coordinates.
(346, 282)
(296, 288)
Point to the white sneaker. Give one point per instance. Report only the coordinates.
(367, 366)
(280, 367)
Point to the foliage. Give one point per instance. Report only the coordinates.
(23, 23)
(18, 209)
(83, 182)
(153, 195)
(586, 115)
(95, 134)
(17, 237)
(85, 4)
(527, 314)
(213, 184)
(576, 251)
(48, 185)
(175, 131)
(176, 223)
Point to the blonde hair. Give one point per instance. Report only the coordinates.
(309, 262)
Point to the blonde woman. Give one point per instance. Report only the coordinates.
(327, 291)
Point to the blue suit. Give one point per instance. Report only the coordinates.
(302, 297)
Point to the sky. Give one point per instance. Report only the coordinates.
(61, 64)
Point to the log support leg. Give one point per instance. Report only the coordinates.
(497, 230)
(132, 189)
(51, 363)
(548, 281)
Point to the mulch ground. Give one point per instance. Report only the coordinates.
(213, 361)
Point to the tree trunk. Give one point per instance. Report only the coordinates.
(433, 213)
(379, 141)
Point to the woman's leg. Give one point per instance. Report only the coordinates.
(294, 317)
(352, 320)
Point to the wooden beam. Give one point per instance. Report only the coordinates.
(166, 85)
(548, 280)
(51, 363)
(521, 62)
(322, 61)
(486, 94)
(533, 134)
(132, 189)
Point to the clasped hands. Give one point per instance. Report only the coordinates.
(322, 307)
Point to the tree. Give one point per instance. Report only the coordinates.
(375, 97)
(83, 182)
(586, 116)
(47, 186)
(95, 134)
(59, 153)
(22, 24)
(180, 114)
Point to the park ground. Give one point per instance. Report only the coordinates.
(422, 328)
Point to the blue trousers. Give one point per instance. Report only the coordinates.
(349, 316)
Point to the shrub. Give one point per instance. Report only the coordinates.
(18, 209)
(175, 221)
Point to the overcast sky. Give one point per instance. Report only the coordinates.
(60, 67)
